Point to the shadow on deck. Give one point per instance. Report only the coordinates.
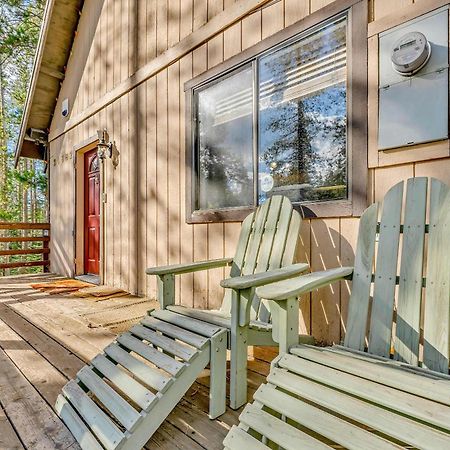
(45, 339)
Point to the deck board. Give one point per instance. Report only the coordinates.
(33, 419)
(8, 437)
(49, 337)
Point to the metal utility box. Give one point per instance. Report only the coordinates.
(414, 109)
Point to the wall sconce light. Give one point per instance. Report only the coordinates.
(104, 146)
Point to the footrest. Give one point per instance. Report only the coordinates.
(122, 397)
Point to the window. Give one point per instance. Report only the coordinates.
(279, 122)
(224, 133)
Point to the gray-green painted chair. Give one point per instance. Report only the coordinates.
(388, 386)
(264, 254)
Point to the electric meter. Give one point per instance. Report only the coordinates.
(410, 53)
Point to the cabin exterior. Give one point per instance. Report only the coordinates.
(203, 107)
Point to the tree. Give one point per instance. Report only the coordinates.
(19, 33)
(22, 190)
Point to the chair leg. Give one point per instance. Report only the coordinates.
(238, 367)
(218, 370)
(288, 324)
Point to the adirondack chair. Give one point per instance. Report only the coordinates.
(388, 386)
(121, 398)
(264, 254)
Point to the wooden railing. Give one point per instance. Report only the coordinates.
(19, 242)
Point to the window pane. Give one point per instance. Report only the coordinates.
(224, 142)
(302, 118)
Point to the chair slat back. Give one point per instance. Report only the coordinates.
(267, 241)
(411, 270)
(437, 303)
(389, 305)
(385, 280)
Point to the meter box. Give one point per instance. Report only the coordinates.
(413, 82)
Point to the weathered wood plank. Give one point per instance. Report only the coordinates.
(46, 379)
(168, 437)
(195, 423)
(38, 426)
(63, 326)
(8, 437)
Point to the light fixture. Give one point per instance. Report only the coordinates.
(104, 146)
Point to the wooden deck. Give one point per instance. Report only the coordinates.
(45, 339)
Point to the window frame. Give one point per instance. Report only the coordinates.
(357, 171)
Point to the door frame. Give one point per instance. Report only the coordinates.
(79, 229)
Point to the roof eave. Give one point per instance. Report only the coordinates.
(32, 86)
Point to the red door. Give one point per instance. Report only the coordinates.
(91, 212)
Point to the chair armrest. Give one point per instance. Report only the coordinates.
(262, 278)
(178, 269)
(303, 284)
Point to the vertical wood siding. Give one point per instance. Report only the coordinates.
(144, 212)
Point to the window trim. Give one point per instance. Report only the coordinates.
(357, 171)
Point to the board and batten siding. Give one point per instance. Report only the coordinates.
(145, 194)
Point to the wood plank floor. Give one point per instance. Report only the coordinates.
(45, 339)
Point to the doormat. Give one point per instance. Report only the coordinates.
(121, 317)
(61, 286)
(99, 293)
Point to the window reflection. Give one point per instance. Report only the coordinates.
(302, 118)
(224, 142)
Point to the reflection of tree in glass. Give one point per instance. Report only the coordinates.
(303, 135)
(225, 179)
(224, 161)
(289, 157)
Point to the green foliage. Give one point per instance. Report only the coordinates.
(22, 189)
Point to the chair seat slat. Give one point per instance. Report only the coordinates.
(319, 421)
(430, 412)
(389, 423)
